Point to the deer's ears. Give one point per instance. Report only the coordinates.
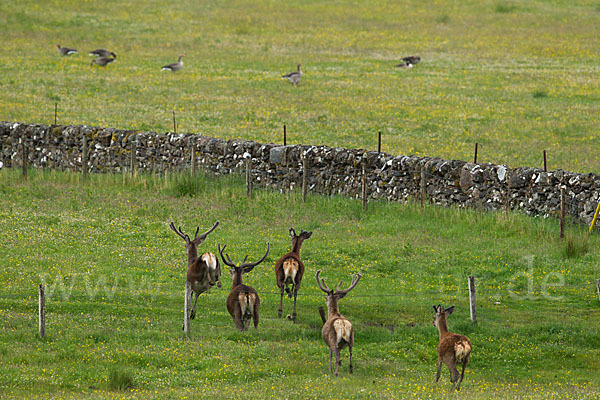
(292, 233)
(449, 310)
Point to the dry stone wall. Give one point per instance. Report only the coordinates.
(331, 170)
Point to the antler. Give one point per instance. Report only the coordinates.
(179, 232)
(205, 234)
(228, 260)
(248, 266)
(355, 279)
(321, 283)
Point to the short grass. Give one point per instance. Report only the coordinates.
(515, 76)
(116, 272)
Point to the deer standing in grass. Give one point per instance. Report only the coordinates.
(452, 348)
(337, 332)
(203, 272)
(243, 301)
(289, 270)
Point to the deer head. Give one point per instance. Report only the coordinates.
(334, 296)
(243, 268)
(298, 239)
(191, 246)
(439, 320)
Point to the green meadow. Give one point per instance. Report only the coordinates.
(518, 77)
(116, 272)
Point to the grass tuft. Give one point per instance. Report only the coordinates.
(504, 8)
(540, 94)
(120, 380)
(576, 245)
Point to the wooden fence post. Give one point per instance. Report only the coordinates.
(472, 299)
(55, 113)
(475, 158)
(598, 288)
(507, 199)
(42, 311)
(322, 313)
(305, 173)
(186, 308)
(24, 157)
(84, 157)
(174, 123)
(545, 165)
(423, 186)
(284, 135)
(379, 142)
(193, 159)
(248, 177)
(133, 160)
(562, 212)
(364, 188)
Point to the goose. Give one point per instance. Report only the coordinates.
(409, 62)
(102, 61)
(294, 77)
(174, 67)
(404, 65)
(66, 51)
(103, 53)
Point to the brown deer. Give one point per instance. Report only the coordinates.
(289, 270)
(337, 332)
(243, 301)
(452, 348)
(204, 272)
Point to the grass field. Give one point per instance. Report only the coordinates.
(116, 273)
(516, 76)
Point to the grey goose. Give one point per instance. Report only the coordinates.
(102, 61)
(294, 77)
(409, 62)
(102, 53)
(66, 51)
(174, 67)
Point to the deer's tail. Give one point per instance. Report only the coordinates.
(462, 349)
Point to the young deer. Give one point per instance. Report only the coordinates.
(452, 348)
(337, 332)
(204, 272)
(289, 270)
(243, 301)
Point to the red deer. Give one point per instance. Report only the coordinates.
(452, 348)
(289, 270)
(243, 301)
(204, 272)
(337, 332)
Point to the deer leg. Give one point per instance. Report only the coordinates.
(295, 295)
(280, 302)
(350, 350)
(462, 374)
(255, 316)
(454, 373)
(337, 359)
(193, 313)
(330, 356)
(439, 370)
(237, 318)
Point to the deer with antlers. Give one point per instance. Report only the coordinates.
(452, 348)
(337, 332)
(203, 272)
(289, 270)
(243, 301)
